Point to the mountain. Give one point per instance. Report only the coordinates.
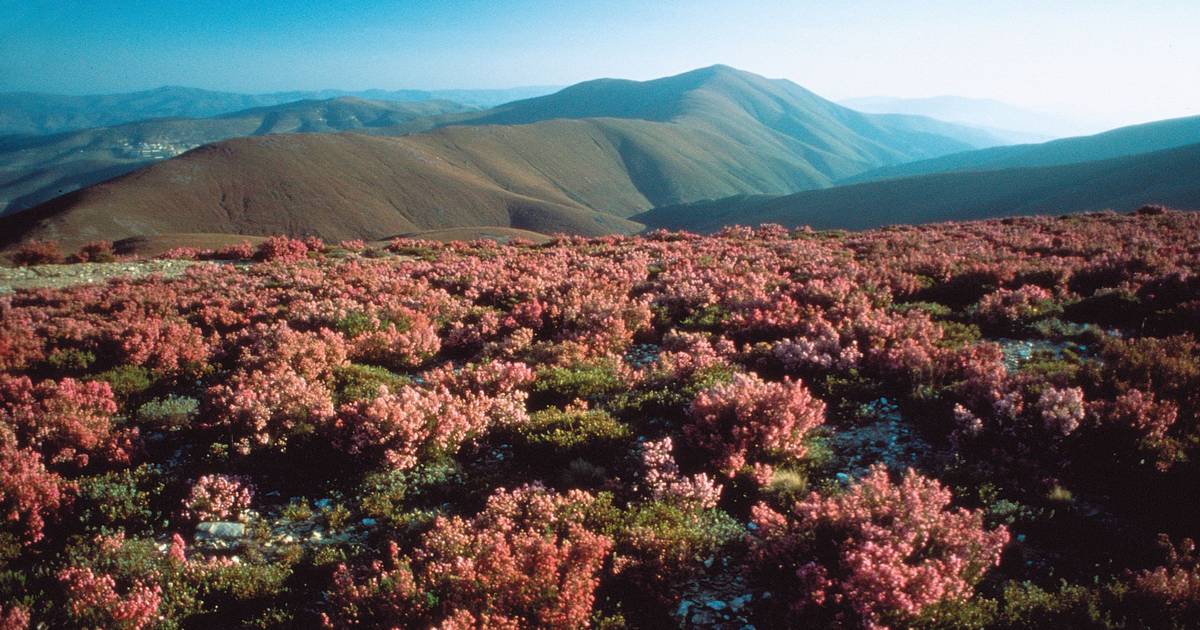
(34, 169)
(1017, 123)
(1170, 177)
(1125, 141)
(576, 161)
(33, 113)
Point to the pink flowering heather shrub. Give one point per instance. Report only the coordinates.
(883, 552)
(403, 342)
(748, 419)
(29, 494)
(281, 249)
(93, 600)
(435, 418)
(525, 561)
(218, 497)
(268, 407)
(820, 349)
(66, 420)
(1141, 412)
(37, 253)
(1006, 307)
(96, 251)
(664, 481)
(14, 618)
(240, 251)
(1061, 410)
(165, 346)
(281, 387)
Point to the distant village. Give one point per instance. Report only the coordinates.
(153, 150)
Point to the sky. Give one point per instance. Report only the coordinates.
(1116, 61)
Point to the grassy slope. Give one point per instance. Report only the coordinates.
(1126, 141)
(1170, 177)
(34, 169)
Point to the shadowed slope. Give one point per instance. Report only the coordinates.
(1168, 177)
(335, 186)
(1125, 141)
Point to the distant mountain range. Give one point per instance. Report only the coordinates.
(1125, 141)
(34, 169)
(1016, 124)
(34, 113)
(579, 160)
(1170, 177)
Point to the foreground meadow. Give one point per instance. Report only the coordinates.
(988, 424)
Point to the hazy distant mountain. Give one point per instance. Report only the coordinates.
(575, 161)
(34, 113)
(1014, 123)
(1170, 177)
(1155, 136)
(34, 169)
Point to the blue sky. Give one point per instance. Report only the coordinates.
(1123, 61)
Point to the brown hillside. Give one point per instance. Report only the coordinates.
(335, 186)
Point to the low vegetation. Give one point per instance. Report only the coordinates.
(915, 427)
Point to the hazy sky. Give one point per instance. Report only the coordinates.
(1121, 61)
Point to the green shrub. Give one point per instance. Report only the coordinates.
(122, 500)
(361, 382)
(559, 435)
(170, 412)
(127, 381)
(71, 360)
(594, 381)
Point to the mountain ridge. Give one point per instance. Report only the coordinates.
(706, 134)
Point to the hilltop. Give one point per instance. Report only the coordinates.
(576, 161)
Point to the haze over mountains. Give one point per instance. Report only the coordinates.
(694, 151)
(1017, 124)
(579, 161)
(34, 169)
(35, 113)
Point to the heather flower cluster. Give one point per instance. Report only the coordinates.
(749, 420)
(897, 549)
(218, 497)
(983, 424)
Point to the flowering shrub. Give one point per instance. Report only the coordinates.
(893, 550)
(1018, 358)
(93, 599)
(749, 419)
(65, 420)
(96, 251)
(218, 497)
(282, 249)
(523, 561)
(1006, 307)
(14, 618)
(664, 481)
(29, 494)
(1062, 410)
(37, 253)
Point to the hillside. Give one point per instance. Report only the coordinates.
(1169, 177)
(34, 113)
(1124, 141)
(34, 169)
(337, 186)
(581, 158)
